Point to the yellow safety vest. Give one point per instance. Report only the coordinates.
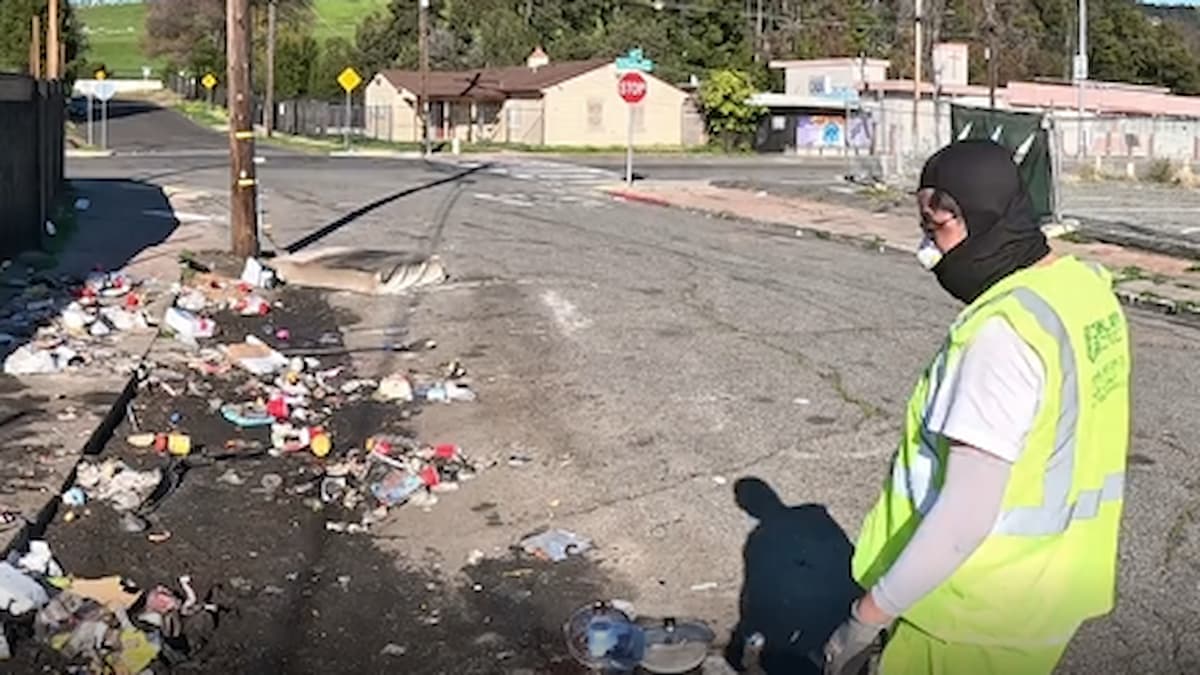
(1050, 561)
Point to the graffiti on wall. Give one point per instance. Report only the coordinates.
(829, 131)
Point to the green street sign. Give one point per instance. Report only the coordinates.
(634, 60)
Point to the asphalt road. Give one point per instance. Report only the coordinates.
(647, 359)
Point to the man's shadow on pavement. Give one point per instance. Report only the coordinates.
(797, 586)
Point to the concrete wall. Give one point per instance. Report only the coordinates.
(586, 110)
(82, 87)
(1129, 137)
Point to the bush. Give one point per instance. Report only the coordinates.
(1161, 171)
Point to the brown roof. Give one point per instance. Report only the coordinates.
(492, 84)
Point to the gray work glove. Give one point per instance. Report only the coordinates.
(850, 646)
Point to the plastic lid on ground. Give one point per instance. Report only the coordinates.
(675, 646)
(602, 637)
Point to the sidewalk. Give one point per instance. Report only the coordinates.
(48, 420)
(1144, 278)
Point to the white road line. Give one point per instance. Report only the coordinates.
(566, 314)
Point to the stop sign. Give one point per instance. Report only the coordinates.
(632, 87)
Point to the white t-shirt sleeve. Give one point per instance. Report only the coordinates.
(991, 398)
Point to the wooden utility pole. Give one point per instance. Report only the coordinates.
(53, 66)
(35, 48)
(423, 99)
(269, 104)
(989, 8)
(918, 51)
(243, 186)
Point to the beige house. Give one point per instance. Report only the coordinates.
(572, 103)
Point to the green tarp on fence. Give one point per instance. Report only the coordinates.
(1024, 134)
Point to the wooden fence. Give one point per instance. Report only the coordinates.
(32, 114)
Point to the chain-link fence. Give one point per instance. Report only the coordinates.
(298, 117)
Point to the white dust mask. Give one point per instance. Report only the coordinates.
(928, 253)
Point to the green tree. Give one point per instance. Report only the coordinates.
(337, 54)
(15, 24)
(728, 113)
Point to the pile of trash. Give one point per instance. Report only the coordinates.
(286, 405)
(83, 331)
(104, 625)
(390, 472)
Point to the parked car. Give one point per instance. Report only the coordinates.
(77, 107)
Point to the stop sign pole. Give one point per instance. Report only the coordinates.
(632, 88)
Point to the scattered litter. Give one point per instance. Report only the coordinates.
(255, 356)
(475, 557)
(115, 482)
(271, 482)
(231, 477)
(720, 480)
(158, 537)
(395, 387)
(83, 204)
(133, 523)
(174, 443)
(518, 461)
(252, 305)
(257, 274)
(445, 392)
(29, 359)
(801, 401)
(74, 497)
(111, 592)
(19, 593)
(705, 586)
(555, 545)
(392, 649)
(247, 415)
(189, 327)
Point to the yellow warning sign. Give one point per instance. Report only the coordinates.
(100, 74)
(209, 81)
(349, 79)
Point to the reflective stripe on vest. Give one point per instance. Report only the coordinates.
(1056, 512)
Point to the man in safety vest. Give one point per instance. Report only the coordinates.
(995, 537)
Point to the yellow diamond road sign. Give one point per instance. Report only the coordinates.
(209, 81)
(349, 79)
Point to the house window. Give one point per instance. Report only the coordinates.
(595, 114)
(818, 84)
(778, 123)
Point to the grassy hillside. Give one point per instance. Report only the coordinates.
(114, 32)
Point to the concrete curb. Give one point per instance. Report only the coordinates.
(1129, 236)
(73, 153)
(639, 197)
(1161, 305)
(101, 434)
(375, 154)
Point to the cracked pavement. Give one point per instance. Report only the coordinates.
(647, 358)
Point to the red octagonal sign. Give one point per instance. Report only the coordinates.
(632, 87)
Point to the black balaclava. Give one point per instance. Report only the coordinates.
(1002, 236)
